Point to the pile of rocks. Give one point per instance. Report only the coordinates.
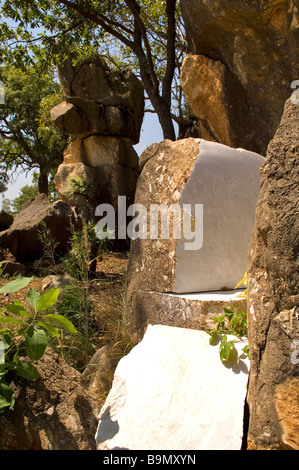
(103, 110)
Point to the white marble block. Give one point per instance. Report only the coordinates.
(172, 392)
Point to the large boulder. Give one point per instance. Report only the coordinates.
(172, 392)
(216, 188)
(55, 412)
(99, 100)
(244, 62)
(104, 168)
(23, 238)
(5, 220)
(273, 295)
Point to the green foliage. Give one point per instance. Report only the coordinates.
(25, 194)
(86, 246)
(25, 331)
(49, 244)
(81, 186)
(28, 138)
(231, 323)
(147, 36)
(28, 192)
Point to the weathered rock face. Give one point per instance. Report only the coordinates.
(245, 60)
(54, 413)
(105, 167)
(99, 100)
(273, 295)
(104, 110)
(23, 237)
(209, 252)
(171, 392)
(5, 220)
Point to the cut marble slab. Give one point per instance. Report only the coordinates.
(195, 311)
(172, 392)
(226, 182)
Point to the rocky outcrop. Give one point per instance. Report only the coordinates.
(244, 60)
(97, 170)
(101, 100)
(273, 295)
(103, 110)
(5, 220)
(53, 413)
(206, 194)
(23, 238)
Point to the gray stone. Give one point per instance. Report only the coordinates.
(5, 220)
(226, 183)
(23, 237)
(55, 412)
(12, 268)
(245, 60)
(112, 101)
(98, 374)
(107, 165)
(194, 311)
(273, 295)
(69, 119)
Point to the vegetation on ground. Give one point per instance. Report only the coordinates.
(74, 321)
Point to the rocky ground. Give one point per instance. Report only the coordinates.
(59, 410)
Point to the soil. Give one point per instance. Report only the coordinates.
(106, 289)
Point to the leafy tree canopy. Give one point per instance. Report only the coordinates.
(28, 139)
(146, 35)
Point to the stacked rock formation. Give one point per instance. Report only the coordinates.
(242, 67)
(103, 109)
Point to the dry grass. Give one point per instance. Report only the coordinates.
(106, 316)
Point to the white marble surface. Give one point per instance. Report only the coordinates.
(171, 392)
(226, 181)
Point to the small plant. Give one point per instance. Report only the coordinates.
(49, 244)
(230, 323)
(79, 185)
(25, 332)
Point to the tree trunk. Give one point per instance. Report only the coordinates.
(43, 185)
(164, 114)
(166, 123)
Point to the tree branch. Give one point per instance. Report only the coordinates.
(99, 20)
(135, 10)
(171, 35)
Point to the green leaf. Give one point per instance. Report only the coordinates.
(7, 396)
(51, 328)
(6, 338)
(11, 320)
(226, 349)
(33, 298)
(48, 299)
(246, 350)
(60, 321)
(36, 341)
(27, 370)
(16, 285)
(17, 308)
